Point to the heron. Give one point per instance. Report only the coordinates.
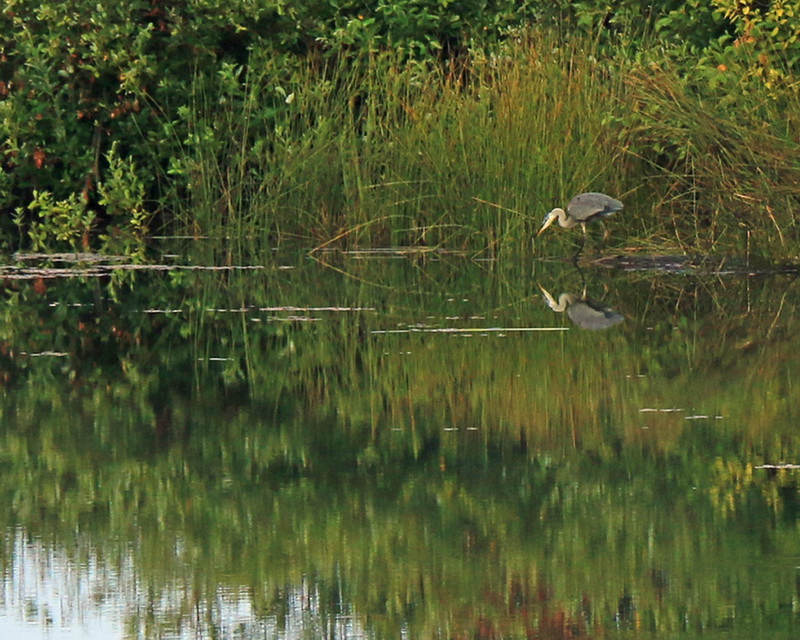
(582, 209)
(585, 312)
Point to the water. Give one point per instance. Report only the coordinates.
(399, 445)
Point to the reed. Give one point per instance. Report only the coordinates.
(373, 149)
(722, 160)
(378, 150)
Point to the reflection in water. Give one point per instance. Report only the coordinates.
(585, 312)
(250, 474)
(48, 593)
(44, 591)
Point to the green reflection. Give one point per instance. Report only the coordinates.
(267, 438)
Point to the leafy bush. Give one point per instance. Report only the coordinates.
(77, 76)
(767, 33)
(85, 81)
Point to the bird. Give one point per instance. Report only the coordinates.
(585, 312)
(582, 209)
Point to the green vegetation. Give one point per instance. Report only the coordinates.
(395, 122)
(265, 432)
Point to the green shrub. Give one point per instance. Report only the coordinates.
(77, 76)
(141, 81)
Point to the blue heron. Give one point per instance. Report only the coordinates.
(585, 312)
(582, 209)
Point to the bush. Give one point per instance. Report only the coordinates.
(79, 78)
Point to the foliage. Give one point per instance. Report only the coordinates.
(66, 221)
(214, 106)
(769, 33)
(79, 76)
(121, 195)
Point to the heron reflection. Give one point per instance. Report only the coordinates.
(584, 312)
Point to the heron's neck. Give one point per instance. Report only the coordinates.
(564, 220)
(564, 300)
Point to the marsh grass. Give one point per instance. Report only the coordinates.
(724, 163)
(371, 150)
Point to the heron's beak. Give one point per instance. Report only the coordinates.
(548, 220)
(549, 299)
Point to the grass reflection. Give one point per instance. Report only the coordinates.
(434, 484)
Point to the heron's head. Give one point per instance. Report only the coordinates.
(548, 298)
(564, 300)
(549, 219)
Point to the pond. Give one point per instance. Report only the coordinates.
(399, 444)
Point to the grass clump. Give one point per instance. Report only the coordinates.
(381, 150)
(401, 123)
(722, 161)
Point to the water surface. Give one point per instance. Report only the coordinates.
(391, 444)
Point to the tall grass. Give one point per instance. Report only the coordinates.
(724, 161)
(375, 150)
(372, 150)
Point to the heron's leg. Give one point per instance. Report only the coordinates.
(582, 244)
(583, 280)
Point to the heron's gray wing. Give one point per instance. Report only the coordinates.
(587, 205)
(590, 314)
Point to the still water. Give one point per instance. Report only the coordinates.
(394, 445)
